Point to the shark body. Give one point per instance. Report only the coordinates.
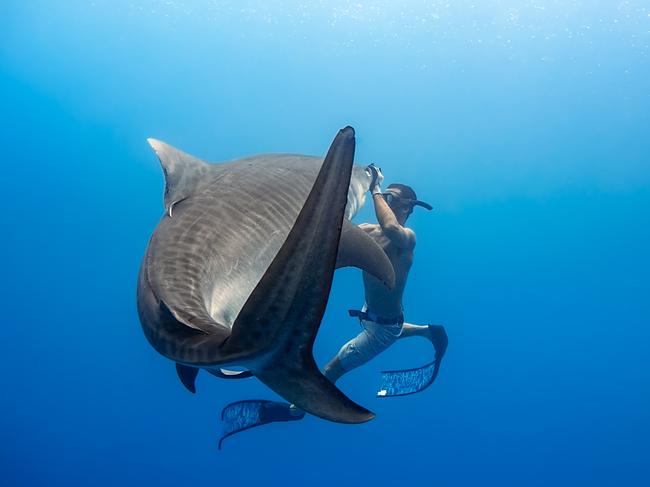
(239, 269)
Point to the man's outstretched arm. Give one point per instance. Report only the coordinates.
(401, 236)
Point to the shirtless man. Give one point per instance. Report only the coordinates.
(382, 316)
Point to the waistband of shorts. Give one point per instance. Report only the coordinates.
(382, 320)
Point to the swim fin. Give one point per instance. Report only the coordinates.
(242, 415)
(409, 381)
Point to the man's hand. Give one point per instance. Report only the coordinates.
(377, 178)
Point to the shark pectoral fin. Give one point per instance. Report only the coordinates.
(182, 172)
(275, 330)
(187, 375)
(357, 249)
(301, 383)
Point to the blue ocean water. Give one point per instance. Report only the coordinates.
(525, 123)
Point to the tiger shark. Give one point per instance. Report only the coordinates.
(239, 269)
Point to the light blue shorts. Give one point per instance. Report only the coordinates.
(373, 339)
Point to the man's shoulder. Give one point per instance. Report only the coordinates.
(403, 237)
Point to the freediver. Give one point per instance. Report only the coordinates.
(382, 317)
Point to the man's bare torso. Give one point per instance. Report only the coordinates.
(381, 301)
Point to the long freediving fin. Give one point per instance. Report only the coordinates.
(242, 415)
(357, 249)
(409, 381)
(281, 317)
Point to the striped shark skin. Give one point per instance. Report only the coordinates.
(238, 271)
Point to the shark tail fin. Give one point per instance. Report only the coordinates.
(303, 385)
(274, 333)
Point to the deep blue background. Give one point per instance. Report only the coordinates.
(526, 125)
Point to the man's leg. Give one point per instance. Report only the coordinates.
(334, 370)
(435, 333)
(373, 340)
(347, 354)
(411, 330)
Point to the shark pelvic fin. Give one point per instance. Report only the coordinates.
(281, 317)
(187, 375)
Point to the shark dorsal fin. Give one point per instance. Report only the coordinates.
(183, 172)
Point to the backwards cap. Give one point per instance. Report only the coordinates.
(407, 193)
